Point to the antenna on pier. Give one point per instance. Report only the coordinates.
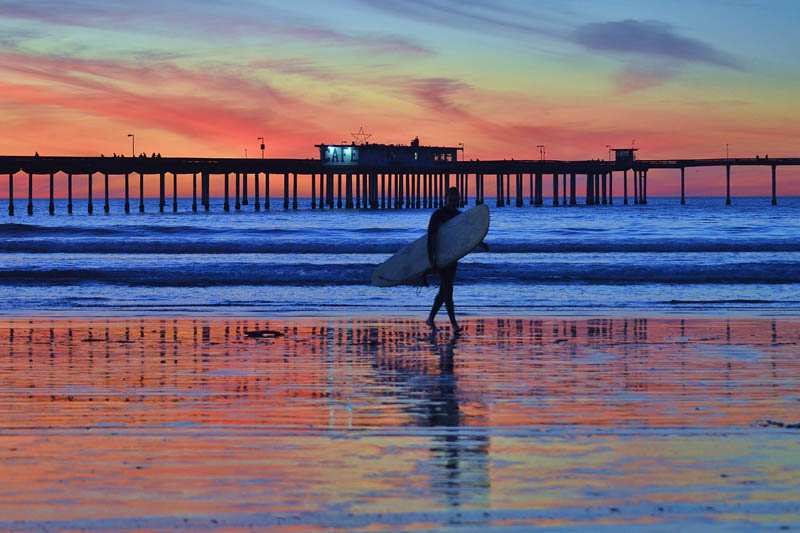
(361, 136)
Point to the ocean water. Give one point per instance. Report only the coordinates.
(659, 259)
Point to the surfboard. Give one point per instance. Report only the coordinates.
(456, 238)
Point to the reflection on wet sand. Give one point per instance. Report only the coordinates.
(350, 424)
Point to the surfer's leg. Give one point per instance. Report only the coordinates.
(447, 294)
(437, 304)
(451, 312)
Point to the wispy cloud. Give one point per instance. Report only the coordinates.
(204, 103)
(439, 95)
(213, 21)
(298, 66)
(650, 38)
(470, 15)
(638, 77)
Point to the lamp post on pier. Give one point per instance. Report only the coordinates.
(263, 146)
(541, 151)
(133, 144)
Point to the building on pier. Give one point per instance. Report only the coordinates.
(373, 155)
(625, 155)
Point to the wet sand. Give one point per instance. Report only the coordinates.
(658, 424)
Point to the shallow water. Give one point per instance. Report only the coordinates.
(658, 424)
(656, 259)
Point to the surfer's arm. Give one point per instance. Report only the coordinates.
(482, 247)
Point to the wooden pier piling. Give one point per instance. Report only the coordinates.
(604, 190)
(636, 186)
(774, 185)
(226, 202)
(643, 188)
(266, 191)
(531, 190)
(194, 192)
(286, 191)
(89, 203)
(106, 206)
(555, 189)
(52, 207)
(11, 194)
(683, 186)
(30, 194)
(573, 197)
(625, 187)
(598, 189)
(499, 198)
(161, 197)
(313, 191)
(294, 191)
(610, 188)
(564, 190)
(245, 201)
(589, 192)
(141, 192)
(539, 189)
(257, 192)
(237, 199)
(174, 192)
(69, 193)
(640, 180)
(205, 186)
(727, 185)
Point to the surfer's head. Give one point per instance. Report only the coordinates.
(453, 197)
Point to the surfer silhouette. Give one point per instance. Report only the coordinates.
(447, 273)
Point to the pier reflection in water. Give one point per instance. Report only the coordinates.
(351, 424)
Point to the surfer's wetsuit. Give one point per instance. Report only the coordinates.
(447, 273)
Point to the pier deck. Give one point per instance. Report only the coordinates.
(364, 187)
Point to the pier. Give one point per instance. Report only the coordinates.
(364, 185)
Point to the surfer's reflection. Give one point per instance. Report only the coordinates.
(428, 390)
(459, 455)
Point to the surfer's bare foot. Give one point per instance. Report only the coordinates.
(431, 323)
(457, 330)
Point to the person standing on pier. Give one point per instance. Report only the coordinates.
(447, 273)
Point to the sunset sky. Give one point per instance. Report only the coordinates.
(208, 78)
